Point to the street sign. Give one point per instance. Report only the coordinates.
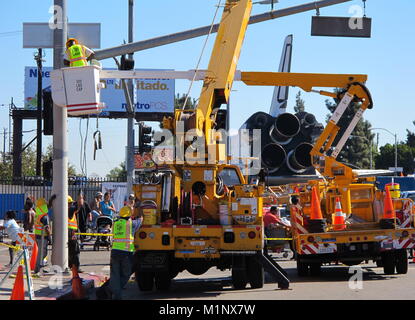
(40, 35)
(398, 169)
(341, 27)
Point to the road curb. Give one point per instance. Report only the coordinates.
(89, 282)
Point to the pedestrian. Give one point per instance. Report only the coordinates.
(107, 206)
(122, 251)
(131, 201)
(12, 229)
(42, 232)
(84, 215)
(96, 208)
(76, 54)
(29, 216)
(73, 245)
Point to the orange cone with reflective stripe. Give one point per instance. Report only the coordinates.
(388, 210)
(18, 288)
(338, 223)
(77, 288)
(33, 258)
(315, 206)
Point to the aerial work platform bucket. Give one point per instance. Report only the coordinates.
(78, 89)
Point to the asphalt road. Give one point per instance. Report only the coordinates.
(333, 283)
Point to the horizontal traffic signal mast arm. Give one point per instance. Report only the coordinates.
(306, 81)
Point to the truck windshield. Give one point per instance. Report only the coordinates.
(230, 177)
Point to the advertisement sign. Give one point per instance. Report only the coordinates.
(118, 192)
(151, 95)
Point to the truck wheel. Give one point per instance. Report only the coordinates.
(162, 281)
(255, 273)
(388, 261)
(315, 269)
(239, 278)
(401, 261)
(145, 280)
(379, 263)
(302, 268)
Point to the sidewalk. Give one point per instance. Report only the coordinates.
(93, 275)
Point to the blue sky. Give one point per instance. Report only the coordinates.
(387, 58)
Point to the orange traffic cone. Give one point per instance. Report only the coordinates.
(315, 206)
(388, 211)
(33, 258)
(338, 223)
(77, 288)
(18, 288)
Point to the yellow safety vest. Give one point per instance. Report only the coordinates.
(77, 56)
(72, 223)
(123, 238)
(40, 213)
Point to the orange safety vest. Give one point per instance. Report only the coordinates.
(72, 223)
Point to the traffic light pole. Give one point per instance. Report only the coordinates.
(129, 161)
(38, 59)
(60, 152)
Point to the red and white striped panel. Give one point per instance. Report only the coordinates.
(407, 209)
(407, 243)
(298, 221)
(315, 248)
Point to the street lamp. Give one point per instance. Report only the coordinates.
(396, 146)
(371, 146)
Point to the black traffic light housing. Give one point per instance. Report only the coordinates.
(47, 112)
(126, 63)
(145, 138)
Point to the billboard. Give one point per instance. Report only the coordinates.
(151, 95)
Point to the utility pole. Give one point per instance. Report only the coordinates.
(60, 152)
(38, 59)
(4, 144)
(129, 161)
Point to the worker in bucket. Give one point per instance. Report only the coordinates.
(76, 54)
(122, 251)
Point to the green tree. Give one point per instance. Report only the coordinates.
(299, 103)
(119, 172)
(356, 151)
(46, 156)
(179, 101)
(386, 157)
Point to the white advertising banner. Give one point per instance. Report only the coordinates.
(118, 192)
(151, 95)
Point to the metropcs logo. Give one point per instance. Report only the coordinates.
(142, 85)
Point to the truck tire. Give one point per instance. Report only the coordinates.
(255, 273)
(162, 281)
(388, 261)
(239, 278)
(145, 280)
(315, 269)
(401, 260)
(302, 268)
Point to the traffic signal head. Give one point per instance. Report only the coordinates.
(126, 64)
(145, 138)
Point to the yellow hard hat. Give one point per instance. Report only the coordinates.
(125, 212)
(41, 202)
(71, 39)
(70, 199)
